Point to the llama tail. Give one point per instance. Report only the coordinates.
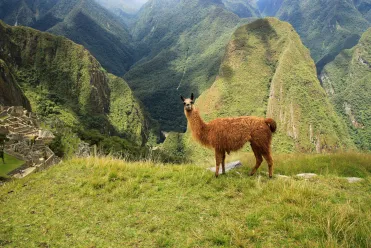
(271, 123)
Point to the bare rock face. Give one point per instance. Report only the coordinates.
(10, 93)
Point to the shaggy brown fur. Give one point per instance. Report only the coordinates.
(230, 134)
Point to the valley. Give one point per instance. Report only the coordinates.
(170, 47)
(90, 102)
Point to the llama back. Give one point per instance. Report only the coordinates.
(231, 134)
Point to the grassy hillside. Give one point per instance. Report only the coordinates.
(68, 87)
(82, 21)
(105, 202)
(268, 72)
(326, 27)
(347, 83)
(182, 43)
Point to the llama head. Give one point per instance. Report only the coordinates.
(188, 102)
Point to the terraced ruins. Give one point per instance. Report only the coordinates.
(26, 140)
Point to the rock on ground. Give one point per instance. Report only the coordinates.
(228, 167)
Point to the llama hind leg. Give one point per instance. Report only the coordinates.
(218, 160)
(258, 157)
(269, 160)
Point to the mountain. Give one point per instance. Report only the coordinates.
(325, 26)
(364, 7)
(83, 21)
(68, 87)
(267, 71)
(347, 83)
(181, 44)
(243, 8)
(127, 6)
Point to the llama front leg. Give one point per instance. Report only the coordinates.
(218, 160)
(223, 163)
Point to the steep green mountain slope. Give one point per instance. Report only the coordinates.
(182, 43)
(267, 71)
(10, 92)
(82, 21)
(68, 86)
(347, 81)
(326, 27)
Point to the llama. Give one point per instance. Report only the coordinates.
(231, 134)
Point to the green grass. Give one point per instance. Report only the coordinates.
(103, 202)
(340, 165)
(11, 163)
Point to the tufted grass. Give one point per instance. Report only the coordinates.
(105, 202)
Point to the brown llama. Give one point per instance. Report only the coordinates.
(230, 134)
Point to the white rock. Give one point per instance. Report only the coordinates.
(353, 179)
(228, 166)
(306, 175)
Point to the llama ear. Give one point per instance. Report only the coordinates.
(192, 97)
(181, 97)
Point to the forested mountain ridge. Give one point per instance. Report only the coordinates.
(83, 21)
(68, 87)
(347, 83)
(325, 27)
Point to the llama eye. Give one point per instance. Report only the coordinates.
(184, 103)
(192, 102)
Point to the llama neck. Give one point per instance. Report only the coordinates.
(198, 126)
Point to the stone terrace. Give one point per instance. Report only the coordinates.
(26, 140)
